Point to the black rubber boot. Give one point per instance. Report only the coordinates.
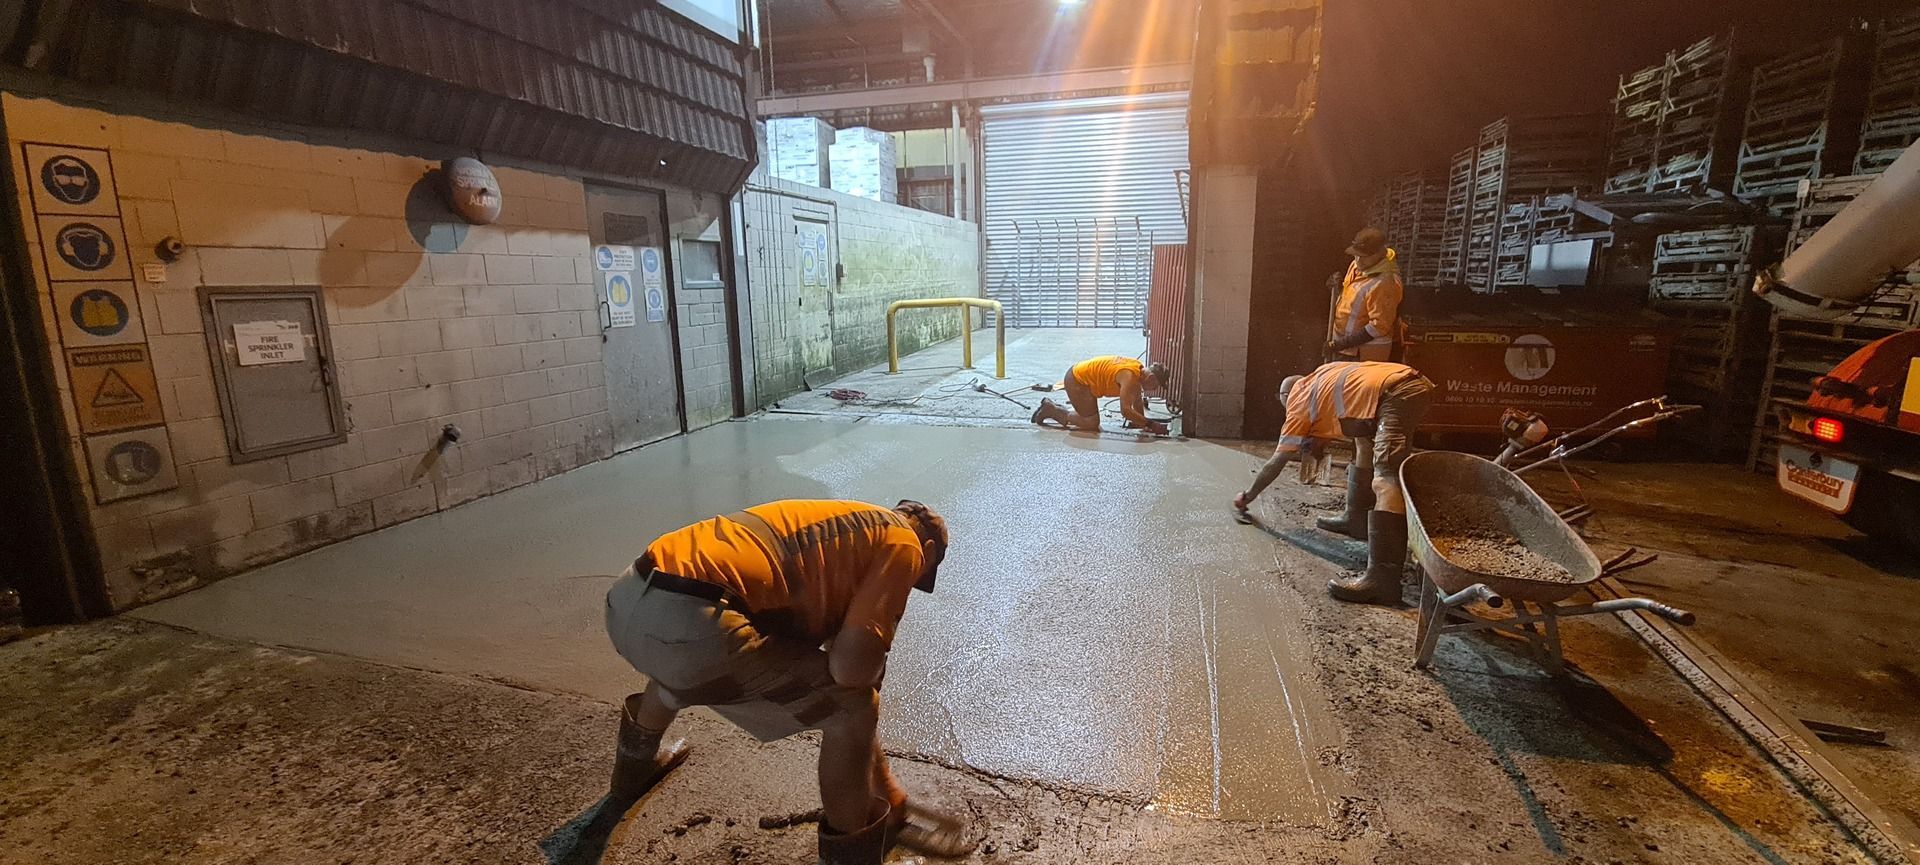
(1353, 521)
(639, 762)
(865, 847)
(1386, 558)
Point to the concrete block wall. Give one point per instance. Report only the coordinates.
(807, 335)
(706, 368)
(1225, 202)
(700, 307)
(892, 252)
(494, 329)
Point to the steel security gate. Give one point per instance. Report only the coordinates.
(1077, 193)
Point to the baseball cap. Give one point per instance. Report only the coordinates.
(1370, 241)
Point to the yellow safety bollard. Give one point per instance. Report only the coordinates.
(966, 306)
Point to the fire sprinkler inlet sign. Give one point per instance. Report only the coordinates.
(263, 342)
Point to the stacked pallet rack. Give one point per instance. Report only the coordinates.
(1516, 242)
(1677, 126)
(1487, 201)
(1459, 208)
(1528, 221)
(1893, 98)
(1519, 160)
(1420, 217)
(1701, 118)
(1719, 357)
(1556, 218)
(1710, 266)
(1636, 126)
(1803, 121)
(1800, 348)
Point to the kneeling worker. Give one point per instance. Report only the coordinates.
(732, 613)
(1094, 379)
(1378, 405)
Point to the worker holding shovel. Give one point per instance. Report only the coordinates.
(1378, 406)
(733, 613)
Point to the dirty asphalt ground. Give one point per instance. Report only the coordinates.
(1824, 622)
(134, 742)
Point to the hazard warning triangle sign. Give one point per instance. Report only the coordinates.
(115, 391)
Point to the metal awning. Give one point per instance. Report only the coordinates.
(627, 89)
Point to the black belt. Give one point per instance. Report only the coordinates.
(666, 582)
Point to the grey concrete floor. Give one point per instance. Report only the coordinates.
(1106, 652)
(933, 384)
(1101, 621)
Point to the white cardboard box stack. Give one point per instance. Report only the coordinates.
(864, 163)
(800, 150)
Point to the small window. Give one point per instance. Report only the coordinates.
(273, 369)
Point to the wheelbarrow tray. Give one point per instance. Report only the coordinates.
(1500, 502)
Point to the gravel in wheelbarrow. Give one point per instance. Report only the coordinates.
(1470, 521)
(1464, 529)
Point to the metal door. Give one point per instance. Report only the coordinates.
(627, 228)
(273, 367)
(816, 263)
(1077, 192)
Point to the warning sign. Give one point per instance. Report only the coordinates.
(113, 388)
(619, 300)
(613, 257)
(84, 248)
(114, 391)
(132, 463)
(71, 180)
(97, 313)
(258, 343)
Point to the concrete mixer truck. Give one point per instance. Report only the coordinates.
(1853, 447)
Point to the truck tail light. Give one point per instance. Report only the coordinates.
(1829, 430)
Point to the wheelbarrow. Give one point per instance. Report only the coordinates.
(1465, 490)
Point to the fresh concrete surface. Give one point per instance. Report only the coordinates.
(1109, 664)
(933, 384)
(1100, 622)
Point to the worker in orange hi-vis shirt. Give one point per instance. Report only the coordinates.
(1094, 379)
(1366, 316)
(1378, 405)
(779, 617)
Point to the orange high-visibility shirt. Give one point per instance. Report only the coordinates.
(1101, 374)
(1370, 302)
(816, 563)
(1346, 390)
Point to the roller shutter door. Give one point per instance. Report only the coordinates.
(1077, 192)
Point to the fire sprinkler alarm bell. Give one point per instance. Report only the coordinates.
(472, 190)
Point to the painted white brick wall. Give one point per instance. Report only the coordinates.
(889, 252)
(492, 336)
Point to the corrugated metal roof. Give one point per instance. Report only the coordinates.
(621, 87)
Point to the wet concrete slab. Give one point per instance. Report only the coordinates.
(1101, 621)
(933, 383)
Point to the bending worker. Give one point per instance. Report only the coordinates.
(732, 613)
(1366, 317)
(1378, 405)
(1094, 379)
